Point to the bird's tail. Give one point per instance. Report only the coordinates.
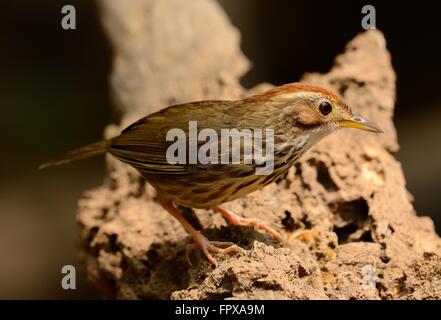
(91, 150)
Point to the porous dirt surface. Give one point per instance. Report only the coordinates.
(351, 229)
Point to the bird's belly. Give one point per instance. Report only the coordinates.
(191, 192)
(199, 195)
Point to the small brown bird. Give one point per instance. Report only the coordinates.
(298, 115)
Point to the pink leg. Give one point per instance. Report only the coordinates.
(201, 241)
(234, 219)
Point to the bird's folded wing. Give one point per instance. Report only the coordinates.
(144, 145)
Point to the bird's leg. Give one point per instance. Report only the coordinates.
(234, 219)
(201, 241)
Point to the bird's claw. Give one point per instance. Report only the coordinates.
(234, 219)
(208, 246)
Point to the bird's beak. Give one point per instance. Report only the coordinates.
(359, 122)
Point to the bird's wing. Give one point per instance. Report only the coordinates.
(143, 144)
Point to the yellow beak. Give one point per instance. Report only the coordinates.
(359, 122)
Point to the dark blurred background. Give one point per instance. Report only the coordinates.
(55, 96)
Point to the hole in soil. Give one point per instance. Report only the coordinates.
(113, 245)
(323, 175)
(288, 221)
(350, 221)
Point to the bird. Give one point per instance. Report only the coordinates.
(294, 117)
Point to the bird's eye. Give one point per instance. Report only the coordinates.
(325, 108)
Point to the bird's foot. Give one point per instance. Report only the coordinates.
(208, 246)
(234, 219)
(201, 241)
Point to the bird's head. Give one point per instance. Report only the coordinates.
(311, 107)
(302, 114)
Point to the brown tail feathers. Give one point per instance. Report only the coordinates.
(91, 150)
